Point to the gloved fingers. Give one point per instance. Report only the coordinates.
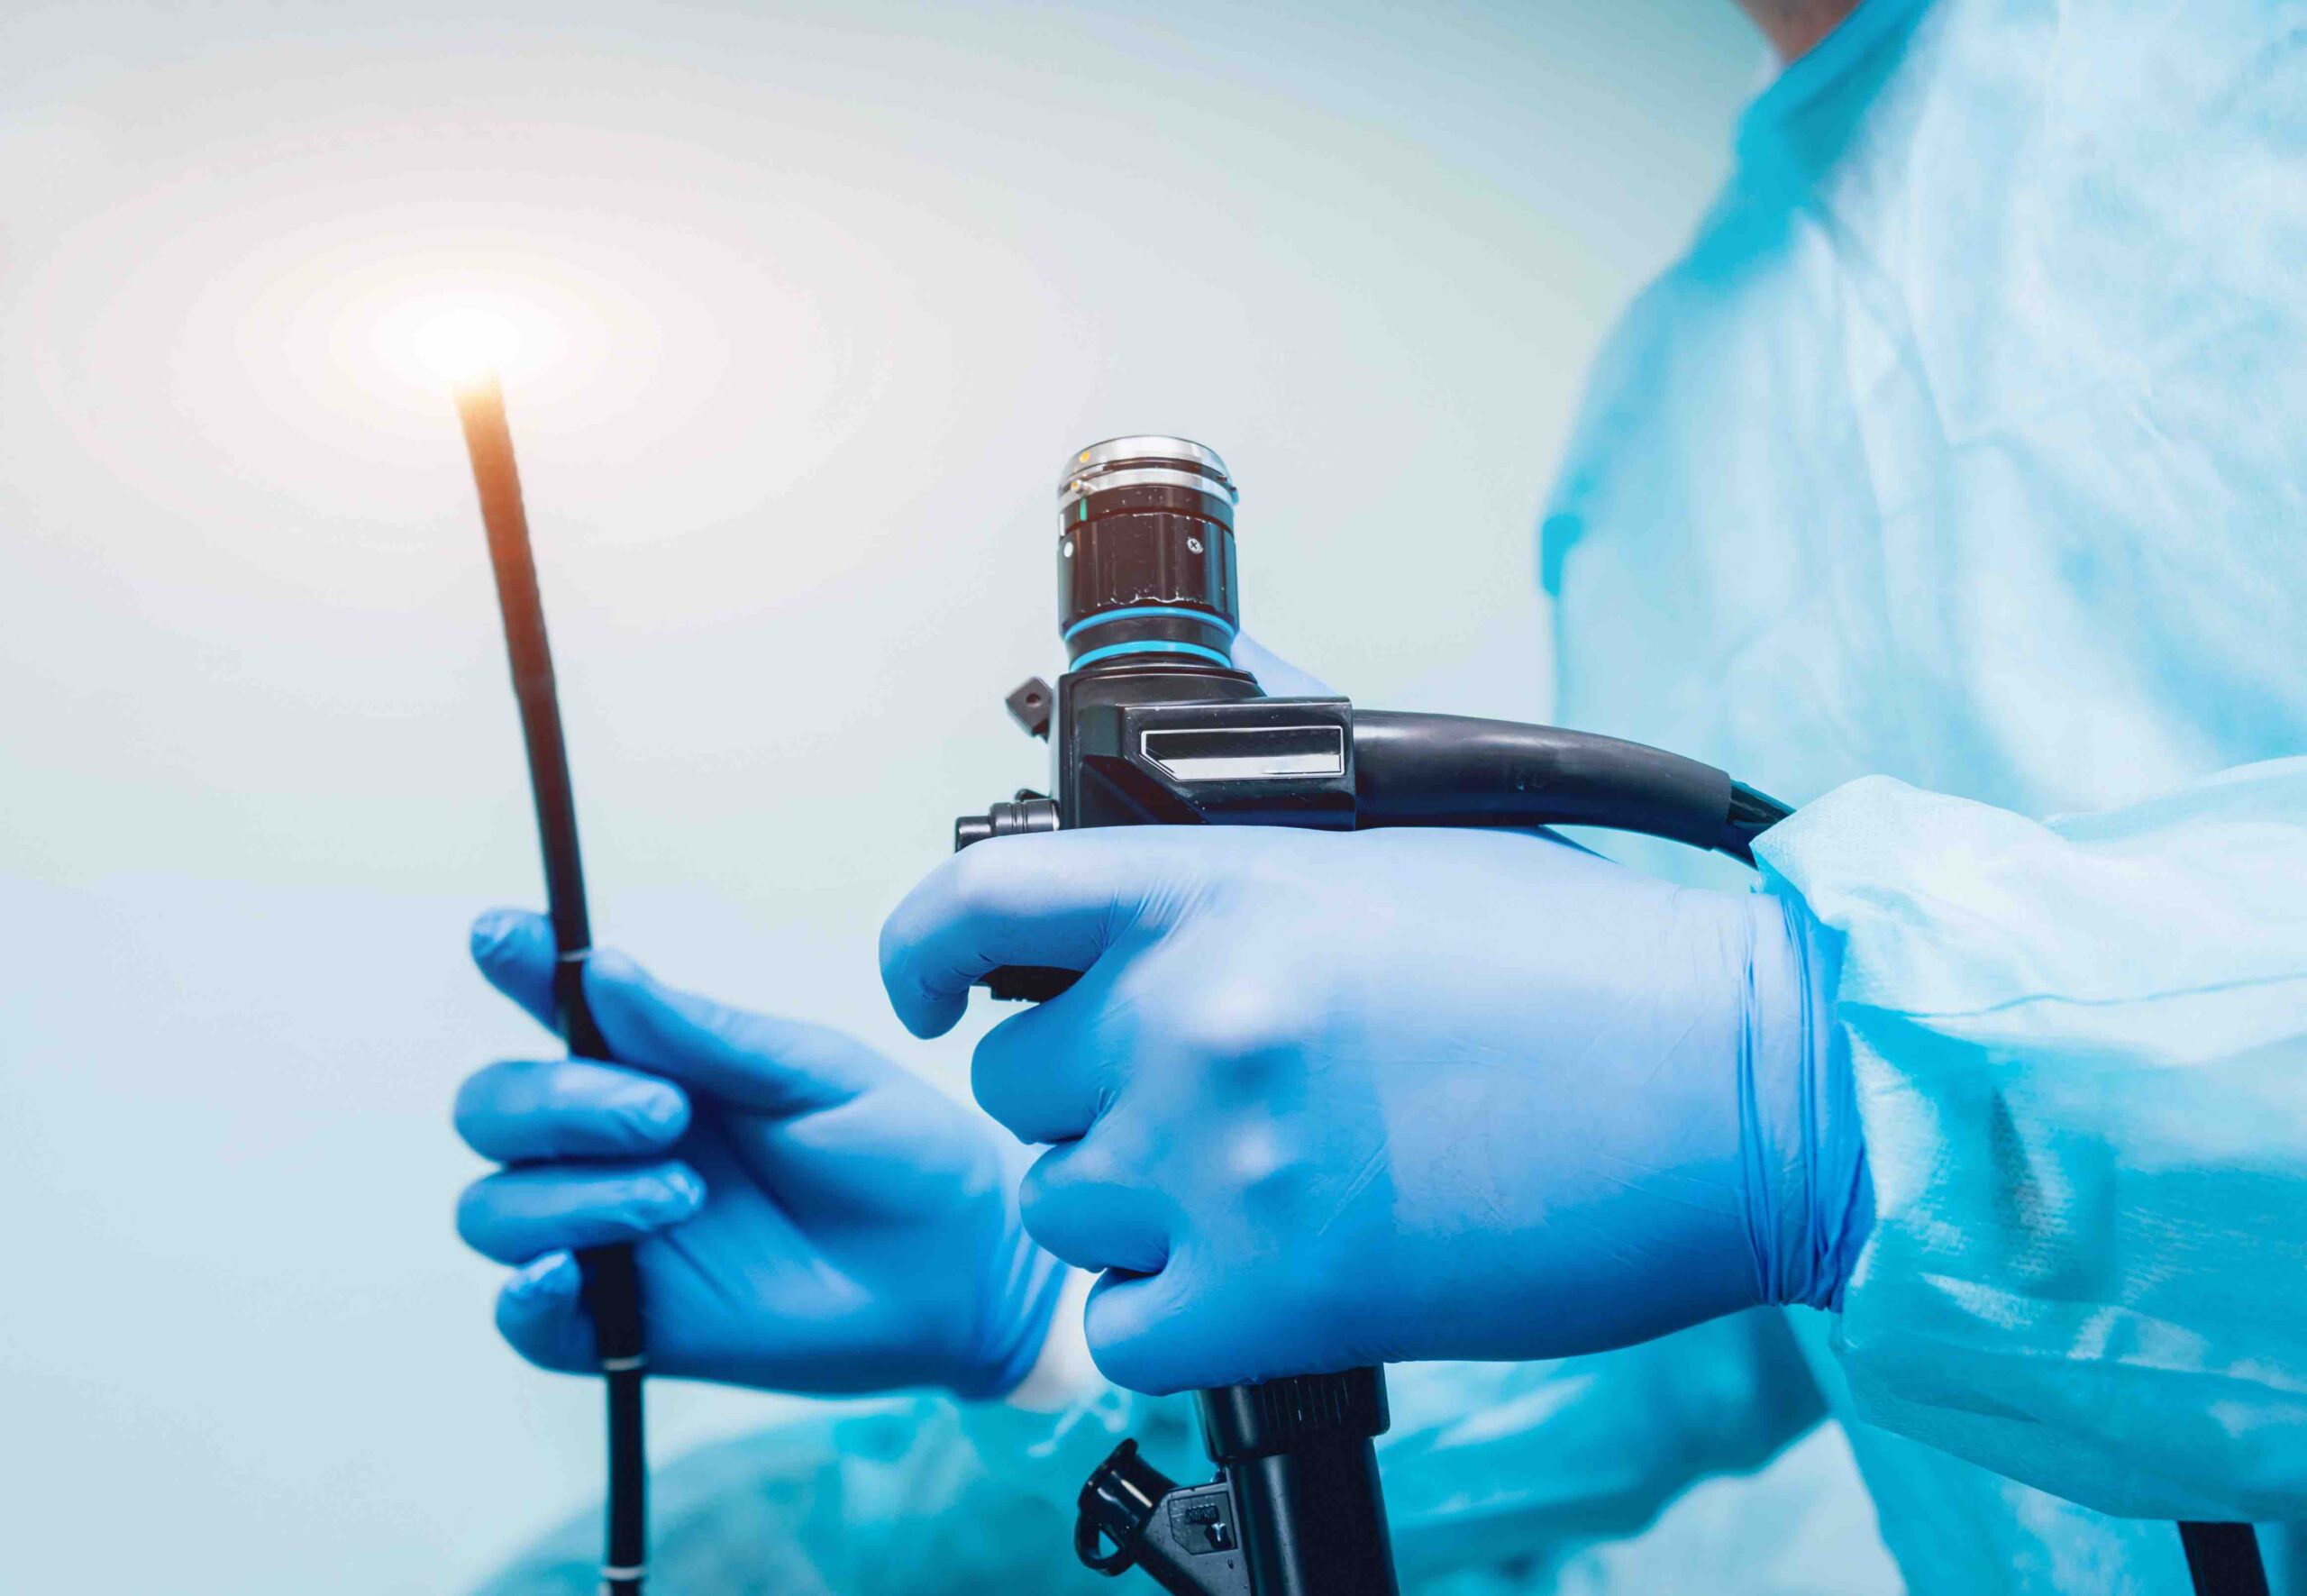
(526, 1109)
(1276, 675)
(540, 1313)
(1134, 1322)
(762, 1064)
(1084, 1202)
(1180, 1329)
(514, 950)
(753, 1062)
(1058, 900)
(1038, 1075)
(516, 1215)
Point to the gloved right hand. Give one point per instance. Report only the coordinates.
(806, 1215)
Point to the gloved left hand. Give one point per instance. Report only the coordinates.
(806, 1215)
(1327, 1100)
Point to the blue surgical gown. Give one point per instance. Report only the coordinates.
(1954, 486)
(1501, 1480)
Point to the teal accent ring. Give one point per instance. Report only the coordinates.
(1147, 612)
(1153, 646)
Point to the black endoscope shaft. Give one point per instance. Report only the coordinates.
(612, 1286)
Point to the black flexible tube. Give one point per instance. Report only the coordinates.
(2223, 1559)
(611, 1284)
(612, 1288)
(1452, 770)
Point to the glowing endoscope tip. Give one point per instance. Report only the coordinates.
(468, 346)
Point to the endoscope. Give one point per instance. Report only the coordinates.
(1152, 724)
(612, 1284)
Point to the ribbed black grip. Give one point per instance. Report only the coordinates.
(1296, 1452)
(1241, 1421)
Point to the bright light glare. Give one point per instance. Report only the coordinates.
(466, 345)
(465, 337)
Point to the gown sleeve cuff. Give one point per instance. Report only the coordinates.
(2077, 1047)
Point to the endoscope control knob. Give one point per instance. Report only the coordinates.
(1029, 812)
(1029, 705)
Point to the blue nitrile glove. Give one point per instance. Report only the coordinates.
(1327, 1100)
(808, 1216)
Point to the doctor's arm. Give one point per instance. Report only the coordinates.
(2080, 1059)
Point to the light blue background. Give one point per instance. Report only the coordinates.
(863, 272)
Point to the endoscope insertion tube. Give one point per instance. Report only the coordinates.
(612, 1286)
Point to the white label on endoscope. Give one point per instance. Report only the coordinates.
(1247, 754)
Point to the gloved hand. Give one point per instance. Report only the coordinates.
(1327, 1100)
(808, 1216)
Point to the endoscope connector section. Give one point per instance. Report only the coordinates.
(1183, 1537)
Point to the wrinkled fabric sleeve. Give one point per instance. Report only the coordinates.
(2080, 1050)
(914, 1496)
(1492, 1471)
(1503, 1467)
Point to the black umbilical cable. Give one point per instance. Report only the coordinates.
(612, 1286)
(2223, 1559)
(1454, 770)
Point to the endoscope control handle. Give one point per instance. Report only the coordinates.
(1383, 769)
